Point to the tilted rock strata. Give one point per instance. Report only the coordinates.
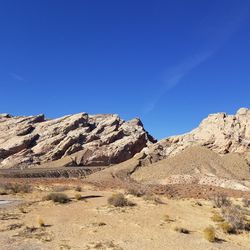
(84, 139)
(220, 132)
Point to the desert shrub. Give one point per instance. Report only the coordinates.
(153, 198)
(227, 228)
(167, 218)
(57, 197)
(246, 202)
(101, 224)
(221, 200)
(235, 217)
(78, 189)
(197, 203)
(182, 230)
(60, 188)
(136, 191)
(247, 226)
(40, 222)
(119, 200)
(78, 197)
(209, 234)
(3, 191)
(17, 188)
(22, 210)
(217, 218)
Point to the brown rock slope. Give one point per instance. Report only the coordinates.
(79, 139)
(197, 165)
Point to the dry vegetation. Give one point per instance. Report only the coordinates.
(40, 221)
(57, 197)
(221, 200)
(232, 218)
(78, 196)
(209, 234)
(14, 188)
(99, 222)
(119, 200)
(246, 202)
(182, 230)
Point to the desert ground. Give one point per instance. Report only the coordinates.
(90, 222)
(99, 182)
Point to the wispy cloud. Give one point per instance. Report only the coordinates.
(16, 77)
(174, 75)
(222, 30)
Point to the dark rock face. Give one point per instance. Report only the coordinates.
(86, 140)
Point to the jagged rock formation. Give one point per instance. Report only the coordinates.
(220, 132)
(84, 140)
(102, 140)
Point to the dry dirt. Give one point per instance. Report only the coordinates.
(92, 224)
(198, 165)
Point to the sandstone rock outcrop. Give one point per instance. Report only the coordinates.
(220, 132)
(82, 139)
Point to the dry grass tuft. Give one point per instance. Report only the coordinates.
(78, 189)
(182, 230)
(246, 202)
(40, 221)
(221, 200)
(61, 188)
(22, 210)
(78, 197)
(168, 219)
(15, 188)
(227, 228)
(136, 191)
(217, 218)
(209, 234)
(119, 200)
(234, 216)
(153, 198)
(57, 197)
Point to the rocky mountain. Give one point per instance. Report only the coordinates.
(102, 140)
(220, 132)
(81, 139)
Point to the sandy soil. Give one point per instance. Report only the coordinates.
(93, 224)
(197, 165)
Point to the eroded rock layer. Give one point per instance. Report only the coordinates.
(80, 139)
(220, 132)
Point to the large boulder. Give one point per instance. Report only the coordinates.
(80, 139)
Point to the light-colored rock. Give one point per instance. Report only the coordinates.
(84, 139)
(220, 132)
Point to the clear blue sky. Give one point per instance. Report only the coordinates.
(171, 63)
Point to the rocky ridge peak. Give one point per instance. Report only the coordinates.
(220, 132)
(29, 141)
